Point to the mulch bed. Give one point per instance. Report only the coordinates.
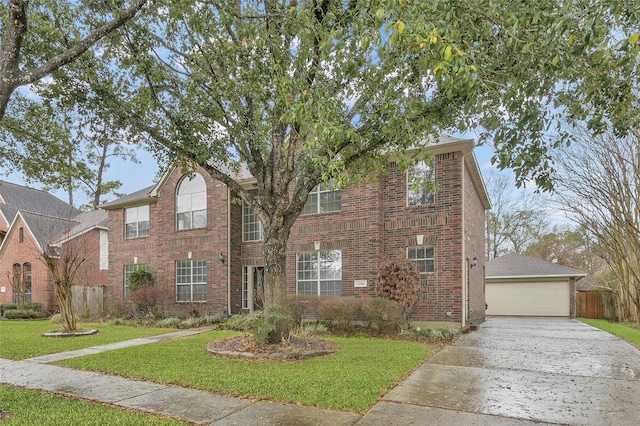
(295, 348)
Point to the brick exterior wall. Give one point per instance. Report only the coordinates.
(23, 252)
(474, 234)
(374, 225)
(165, 245)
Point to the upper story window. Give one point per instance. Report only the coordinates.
(323, 199)
(136, 222)
(191, 202)
(418, 178)
(424, 256)
(21, 235)
(251, 226)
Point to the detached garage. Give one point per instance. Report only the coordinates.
(524, 286)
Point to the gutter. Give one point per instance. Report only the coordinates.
(228, 250)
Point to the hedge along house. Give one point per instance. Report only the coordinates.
(32, 221)
(204, 248)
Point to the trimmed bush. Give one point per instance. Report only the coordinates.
(399, 280)
(383, 313)
(22, 314)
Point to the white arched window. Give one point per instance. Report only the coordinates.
(191, 202)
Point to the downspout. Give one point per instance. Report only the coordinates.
(228, 251)
(463, 256)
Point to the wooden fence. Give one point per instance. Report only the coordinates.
(592, 304)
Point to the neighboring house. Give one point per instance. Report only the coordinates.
(34, 221)
(525, 286)
(206, 248)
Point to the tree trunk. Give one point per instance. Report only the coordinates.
(64, 295)
(275, 290)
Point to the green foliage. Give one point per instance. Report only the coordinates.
(627, 331)
(23, 314)
(353, 379)
(8, 307)
(438, 335)
(29, 407)
(171, 322)
(399, 280)
(140, 278)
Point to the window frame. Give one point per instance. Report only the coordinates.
(422, 196)
(193, 264)
(189, 213)
(314, 276)
(141, 230)
(318, 192)
(423, 262)
(256, 225)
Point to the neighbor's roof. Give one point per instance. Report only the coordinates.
(14, 198)
(515, 265)
(83, 223)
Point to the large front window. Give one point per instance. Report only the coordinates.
(136, 222)
(191, 202)
(323, 199)
(251, 226)
(319, 273)
(420, 182)
(191, 280)
(424, 257)
(128, 270)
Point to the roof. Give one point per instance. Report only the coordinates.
(515, 265)
(143, 196)
(442, 144)
(45, 228)
(21, 198)
(82, 223)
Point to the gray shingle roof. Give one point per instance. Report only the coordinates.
(21, 198)
(518, 265)
(141, 195)
(46, 228)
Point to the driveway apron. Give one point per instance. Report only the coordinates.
(523, 371)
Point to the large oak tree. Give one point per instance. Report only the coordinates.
(298, 92)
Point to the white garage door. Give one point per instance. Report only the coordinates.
(528, 298)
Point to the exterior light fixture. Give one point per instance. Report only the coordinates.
(474, 261)
(221, 257)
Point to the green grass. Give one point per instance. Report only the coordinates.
(34, 408)
(24, 339)
(628, 332)
(351, 380)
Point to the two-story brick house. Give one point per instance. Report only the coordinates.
(206, 247)
(32, 222)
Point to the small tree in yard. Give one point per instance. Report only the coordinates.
(143, 291)
(63, 263)
(399, 280)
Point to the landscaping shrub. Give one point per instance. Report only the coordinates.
(302, 307)
(342, 312)
(383, 313)
(253, 323)
(171, 322)
(23, 314)
(444, 334)
(399, 280)
(8, 307)
(33, 306)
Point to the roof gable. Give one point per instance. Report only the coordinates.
(21, 198)
(518, 265)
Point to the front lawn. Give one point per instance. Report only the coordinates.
(628, 332)
(351, 380)
(23, 339)
(27, 408)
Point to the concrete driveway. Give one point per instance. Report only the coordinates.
(516, 371)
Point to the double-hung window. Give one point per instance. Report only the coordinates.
(323, 199)
(251, 226)
(319, 273)
(136, 222)
(191, 280)
(191, 202)
(420, 183)
(424, 256)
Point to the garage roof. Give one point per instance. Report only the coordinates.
(515, 265)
